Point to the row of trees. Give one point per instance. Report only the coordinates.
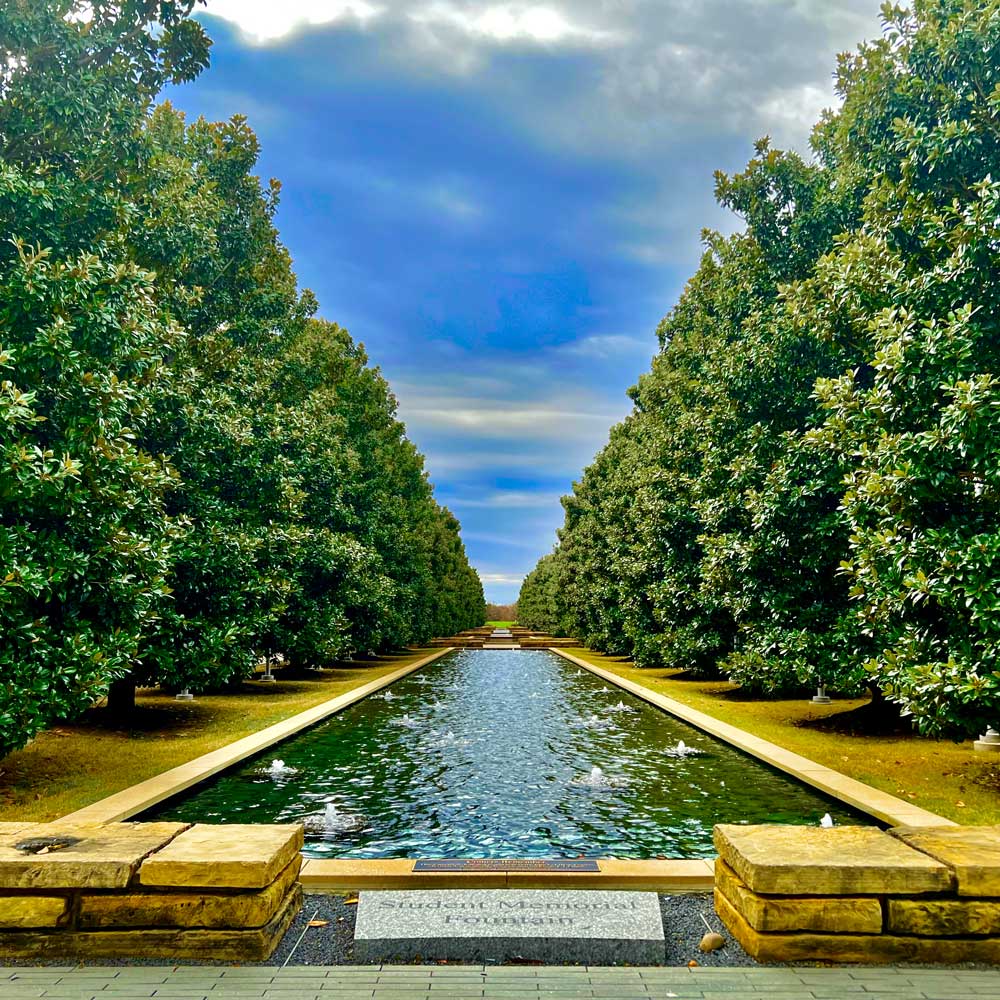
(501, 612)
(194, 471)
(808, 487)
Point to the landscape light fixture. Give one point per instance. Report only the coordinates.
(989, 742)
(821, 697)
(268, 677)
(185, 695)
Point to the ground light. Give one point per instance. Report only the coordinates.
(821, 697)
(989, 742)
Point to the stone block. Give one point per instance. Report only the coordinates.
(230, 856)
(192, 909)
(11, 829)
(972, 852)
(255, 945)
(483, 925)
(103, 857)
(837, 915)
(17, 912)
(840, 861)
(865, 949)
(944, 917)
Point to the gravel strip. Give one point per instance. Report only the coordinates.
(333, 942)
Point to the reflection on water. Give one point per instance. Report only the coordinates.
(505, 755)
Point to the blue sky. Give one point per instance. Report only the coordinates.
(501, 200)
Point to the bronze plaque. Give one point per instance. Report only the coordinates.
(500, 865)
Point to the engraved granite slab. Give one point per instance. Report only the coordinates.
(495, 925)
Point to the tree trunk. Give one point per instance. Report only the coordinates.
(121, 697)
(884, 715)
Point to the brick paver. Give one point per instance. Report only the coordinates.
(450, 982)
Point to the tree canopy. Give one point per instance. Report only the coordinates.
(808, 488)
(194, 470)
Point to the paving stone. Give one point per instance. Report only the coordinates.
(354, 994)
(626, 989)
(305, 971)
(867, 949)
(21, 912)
(857, 915)
(106, 857)
(191, 909)
(8, 830)
(499, 924)
(943, 917)
(293, 988)
(237, 856)
(815, 861)
(710, 994)
(972, 852)
(212, 945)
(239, 971)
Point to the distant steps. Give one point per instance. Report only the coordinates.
(513, 638)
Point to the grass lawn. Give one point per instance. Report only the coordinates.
(74, 764)
(501, 624)
(948, 778)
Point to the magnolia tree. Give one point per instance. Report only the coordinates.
(194, 473)
(807, 491)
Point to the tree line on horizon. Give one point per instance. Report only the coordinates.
(195, 471)
(807, 490)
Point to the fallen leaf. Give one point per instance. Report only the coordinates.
(353, 901)
(317, 923)
(693, 964)
(960, 804)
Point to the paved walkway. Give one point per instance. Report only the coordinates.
(397, 982)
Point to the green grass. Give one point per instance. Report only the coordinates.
(74, 764)
(945, 777)
(501, 624)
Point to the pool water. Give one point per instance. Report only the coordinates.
(504, 754)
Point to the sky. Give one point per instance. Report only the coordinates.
(501, 201)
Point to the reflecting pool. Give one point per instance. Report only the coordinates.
(504, 754)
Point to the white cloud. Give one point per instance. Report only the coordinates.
(509, 23)
(450, 200)
(509, 541)
(508, 500)
(513, 579)
(502, 24)
(605, 346)
(795, 110)
(266, 21)
(500, 419)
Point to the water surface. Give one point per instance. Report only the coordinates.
(491, 754)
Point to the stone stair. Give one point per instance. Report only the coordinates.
(477, 638)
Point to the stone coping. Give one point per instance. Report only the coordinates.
(136, 799)
(883, 806)
(321, 875)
